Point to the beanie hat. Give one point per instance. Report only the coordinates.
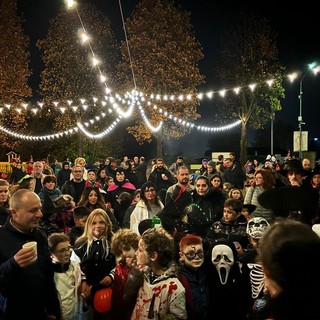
(211, 163)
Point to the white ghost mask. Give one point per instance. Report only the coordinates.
(223, 259)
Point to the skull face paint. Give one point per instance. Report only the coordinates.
(223, 259)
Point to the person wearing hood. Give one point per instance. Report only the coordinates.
(120, 185)
(63, 174)
(206, 208)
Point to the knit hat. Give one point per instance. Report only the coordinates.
(211, 163)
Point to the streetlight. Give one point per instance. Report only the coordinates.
(311, 67)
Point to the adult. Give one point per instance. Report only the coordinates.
(147, 208)
(204, 166)
(306, 165)
(206, 208)
(183, 184)
(141, 170)
(4, 201)
(290, 277)
(26, 286)
(27, 182)
(92, 199)
(63, 174)
(174, 167)
(234, 173)
(120, 185)
(216, 182)
(38, 175)
(76, 185)
(263, 180)
(161, 177)
(298, 200)
(56, 167)
(18, 171)
(211, 171)
(82, 163)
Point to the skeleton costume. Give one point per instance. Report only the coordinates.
(255, 229)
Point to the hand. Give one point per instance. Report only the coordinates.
(106, 281)
(85, 290)
(25, 257)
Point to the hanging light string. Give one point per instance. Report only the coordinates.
(129, 101)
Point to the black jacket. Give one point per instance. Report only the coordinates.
(30, 292)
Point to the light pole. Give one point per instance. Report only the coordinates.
(311, 67)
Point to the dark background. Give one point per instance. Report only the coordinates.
(296, 23)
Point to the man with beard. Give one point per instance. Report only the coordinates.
(161, 177)
(183, 183)
(175, 166)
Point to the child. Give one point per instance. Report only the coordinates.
(93, 249)
(236, 193)
(247, 209)
(80, 216)
(193, 277)
(232, 226)
(124, 244)
(67, 275)
(162, 294)
(136, 199)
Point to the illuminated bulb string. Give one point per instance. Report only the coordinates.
(140, 95)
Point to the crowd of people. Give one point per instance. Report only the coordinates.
(124, 240)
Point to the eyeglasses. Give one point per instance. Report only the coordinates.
(64, 250)
(151, 190)
(191, 255)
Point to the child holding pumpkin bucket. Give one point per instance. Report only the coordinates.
(97, 261)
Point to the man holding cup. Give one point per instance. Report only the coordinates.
(27, 289)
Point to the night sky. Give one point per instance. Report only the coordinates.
(294, 24)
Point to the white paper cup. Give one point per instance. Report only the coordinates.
(32, 244)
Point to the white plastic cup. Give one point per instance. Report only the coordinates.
(32, 244)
